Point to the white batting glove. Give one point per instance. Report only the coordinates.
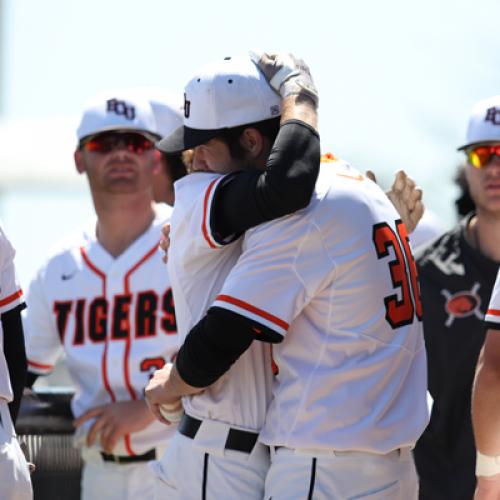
(286, 74)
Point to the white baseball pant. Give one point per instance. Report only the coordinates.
(111, 481)
(201, 468)
(15, 481)
(328, 475)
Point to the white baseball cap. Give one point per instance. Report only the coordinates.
(117, 110)
(484, 123)
(222, 95)
(167, 108)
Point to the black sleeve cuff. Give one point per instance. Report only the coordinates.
(492, 326)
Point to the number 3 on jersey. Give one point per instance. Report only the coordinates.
(403, 274)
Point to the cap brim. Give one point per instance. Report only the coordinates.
(185, 138)
(122, 130)
(477, 143)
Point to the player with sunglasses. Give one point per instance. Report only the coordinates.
(104, 298)
(457, 273)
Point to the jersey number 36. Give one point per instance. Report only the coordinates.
(399, 312)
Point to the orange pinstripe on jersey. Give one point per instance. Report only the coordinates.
(34, 364)
(204, 229)
(11, 298)
(255, 310)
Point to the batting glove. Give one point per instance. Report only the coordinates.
(286, 74)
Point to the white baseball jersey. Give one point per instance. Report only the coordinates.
(338, 281)
(113, 318)
(197, 266)
(492, 317)
(11, 296)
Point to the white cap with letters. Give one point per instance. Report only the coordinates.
(484, 123)
(221, 95)
(117, 110)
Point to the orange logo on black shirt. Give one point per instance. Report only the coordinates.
(462, 304)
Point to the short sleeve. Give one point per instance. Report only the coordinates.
(492, 318)
(43, 345)
(11, 294)
(282, 266)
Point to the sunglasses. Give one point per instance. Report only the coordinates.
(107, 142)
(479, 156)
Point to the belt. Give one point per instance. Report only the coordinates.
(237, 439)
(117, 459)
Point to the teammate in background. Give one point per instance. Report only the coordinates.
(104, 299)
(486, 405)
(339, 424)
(15, 482)
(456, 273)
(167, 109)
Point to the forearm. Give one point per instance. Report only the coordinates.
(300, 107)
(15, 355)
(253, 197)
(486, 408)
(287, 183)
(177, 387)
(215, 343)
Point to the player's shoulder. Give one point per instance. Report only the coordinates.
(68, 247)
(340, 174)
(7, 251)
(341, 183)
(195, 185)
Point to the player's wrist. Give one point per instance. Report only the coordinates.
(487, 466)
(301, 90)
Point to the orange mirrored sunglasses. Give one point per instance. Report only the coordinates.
(108, 141)
(479, 156)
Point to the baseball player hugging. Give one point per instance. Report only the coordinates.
(103, 299)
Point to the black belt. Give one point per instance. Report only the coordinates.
(237, 439)
(149, 455)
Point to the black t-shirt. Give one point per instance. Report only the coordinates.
(455, 283)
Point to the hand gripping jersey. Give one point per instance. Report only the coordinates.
(337, 280)
(198, 265)
(113, 318)
(11, 296)
(492, 317)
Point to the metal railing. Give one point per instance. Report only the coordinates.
(45, 431)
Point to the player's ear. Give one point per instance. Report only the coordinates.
(157, 162)
(79, 163)
(252, 141)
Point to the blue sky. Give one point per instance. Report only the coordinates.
(397, 79)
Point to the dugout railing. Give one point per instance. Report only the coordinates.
(45, 431)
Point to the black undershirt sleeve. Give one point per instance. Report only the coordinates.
(215, 343)
(249, 198)
(31, 379)
(15, 355)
